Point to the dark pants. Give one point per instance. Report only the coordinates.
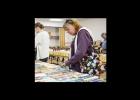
(44, 59)
(35, 53)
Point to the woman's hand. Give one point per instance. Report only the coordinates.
(63, 65)
(66, 63)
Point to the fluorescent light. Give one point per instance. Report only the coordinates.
(54, 19)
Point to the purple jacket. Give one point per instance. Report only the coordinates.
(84, 47)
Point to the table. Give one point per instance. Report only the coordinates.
(45, 72)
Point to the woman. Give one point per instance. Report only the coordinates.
(41, 43)
(103, 49)
(81, 46)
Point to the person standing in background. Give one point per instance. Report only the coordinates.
(103, 46)
(41, 43)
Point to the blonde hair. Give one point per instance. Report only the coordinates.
(73, 22)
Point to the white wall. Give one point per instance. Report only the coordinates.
(54, 32)
(47, 22)
(96, 25)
